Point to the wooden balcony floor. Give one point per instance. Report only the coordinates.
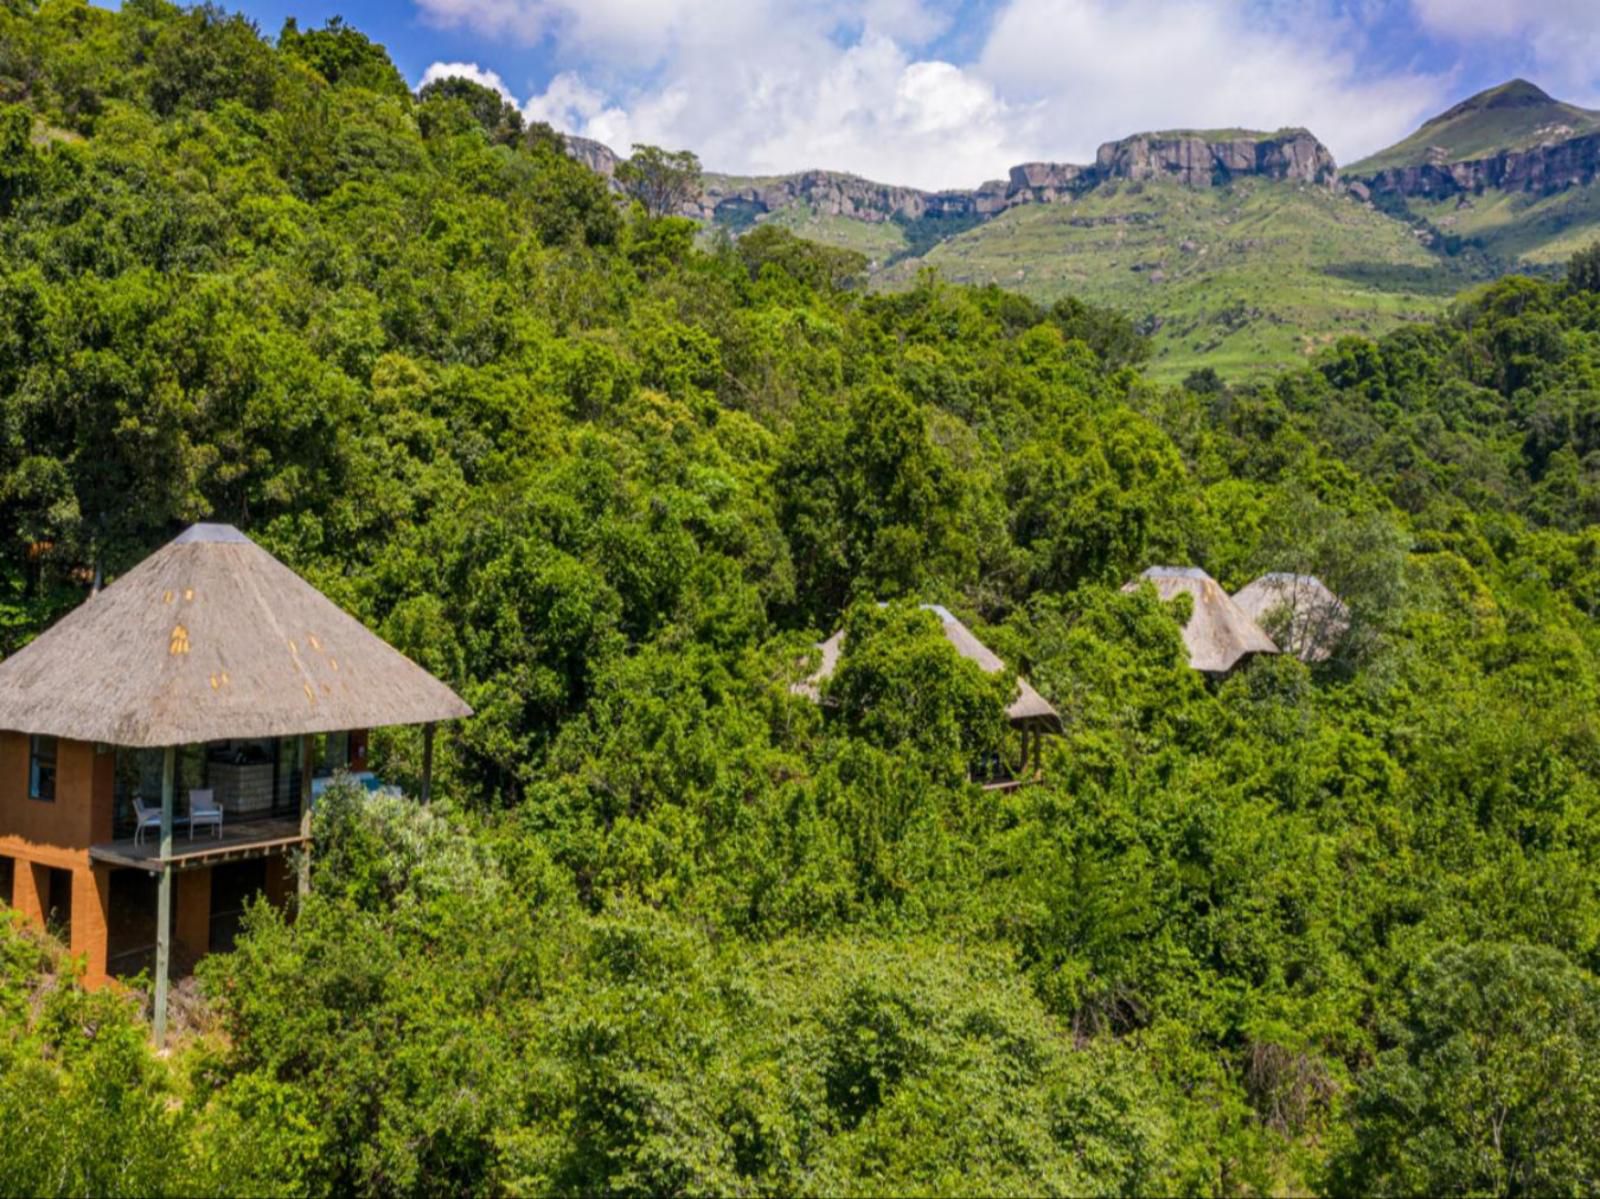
(243, 839)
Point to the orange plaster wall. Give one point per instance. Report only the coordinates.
(91, 896)
(39, 835)
(28, 885)
(57, 833)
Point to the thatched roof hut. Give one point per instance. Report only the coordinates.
(1029, 710)
(1309, 620)
(1218, 634)
(208, 639)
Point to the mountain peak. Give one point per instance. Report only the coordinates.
(1514, 117)
(1517, 93)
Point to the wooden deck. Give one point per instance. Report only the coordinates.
(246, 839)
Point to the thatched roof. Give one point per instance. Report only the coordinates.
(212, 638)
(1029, 709)
(1308, 618)
(1218, 634)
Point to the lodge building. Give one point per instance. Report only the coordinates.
(161, 747)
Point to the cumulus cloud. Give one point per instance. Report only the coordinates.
(780, 85)
(1160, 64)
(1558, 40)
(571, 104)
(466, 70)
(772, 85)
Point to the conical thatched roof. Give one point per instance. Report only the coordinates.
(1218, 634)
(1029, 709)
(211, 638)
(1309, 618)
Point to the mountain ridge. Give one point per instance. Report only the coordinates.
(1197, 158)
(1229, 247)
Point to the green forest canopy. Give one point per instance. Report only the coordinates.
(673, 928)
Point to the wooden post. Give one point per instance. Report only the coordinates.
(169, 763)
(303, 884)
(427, 761)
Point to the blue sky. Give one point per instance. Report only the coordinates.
(947, 93)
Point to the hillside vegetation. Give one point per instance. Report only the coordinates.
(668, 927)
(1246, 279)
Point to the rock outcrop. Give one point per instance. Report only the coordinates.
(1513, 137)
(1205, 160)
(1548, 167)
(1193, 159)
(597, 156)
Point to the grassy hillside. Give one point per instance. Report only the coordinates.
(1512, 116)
(1246, 279)
(880, 241)
(1520, 230)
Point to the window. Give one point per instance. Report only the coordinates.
(42, 769)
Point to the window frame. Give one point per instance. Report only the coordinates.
(38, 772)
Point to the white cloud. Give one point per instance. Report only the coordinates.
(571, 104)
(1163, 64)
(466, 70)
(1557, 39)
(766, 86)
(769, 86)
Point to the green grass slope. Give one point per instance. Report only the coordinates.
(880, 241)
(1512, 116)
(1525, 231)
(1246, 279)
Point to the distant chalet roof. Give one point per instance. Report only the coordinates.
(1029, 709)
(212, 638)
(1219, 633)
(1313, 618)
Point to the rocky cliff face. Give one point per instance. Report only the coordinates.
(1202, 160)
(597, 156)
(829, 192)
(1193, 159)
(1544, 168)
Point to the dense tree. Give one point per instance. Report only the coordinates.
(1494, 1086)
(1583, 269)
(663, 181)
(670, 926)
(501, 120)
(343, 55)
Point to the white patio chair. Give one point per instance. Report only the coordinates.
(144, 817)
(204, 809)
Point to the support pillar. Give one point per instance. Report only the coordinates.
(29, 885)
(194, 911)
(91, 906)
(303, 882)
(169, 762)
(427, 761)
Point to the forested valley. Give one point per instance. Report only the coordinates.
(667, 927)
